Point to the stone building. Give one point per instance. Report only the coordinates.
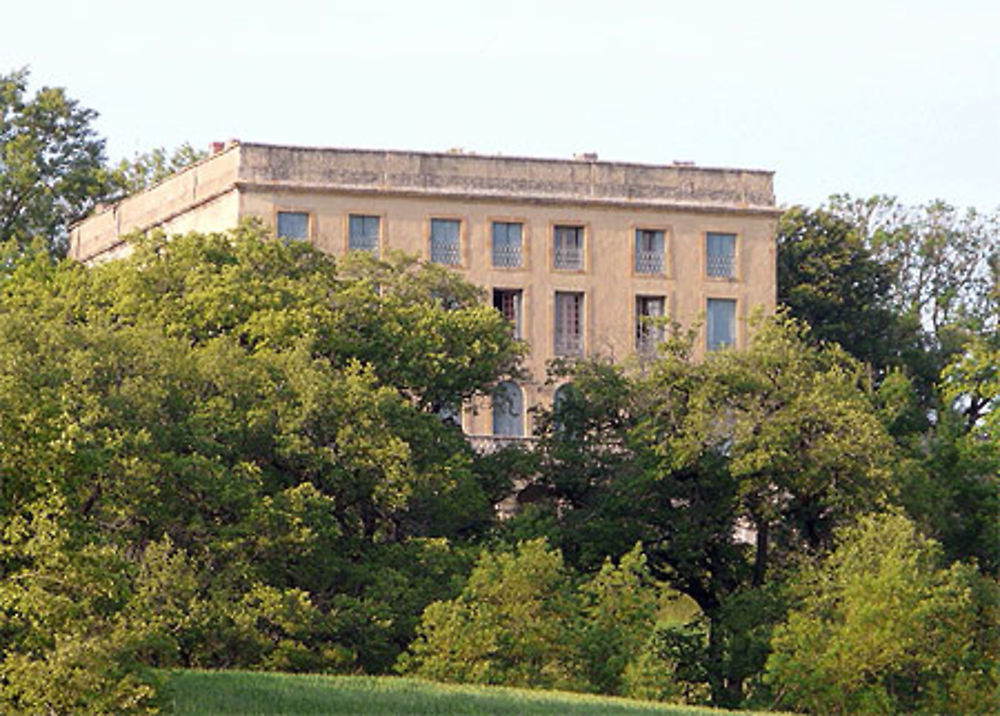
(576, 253)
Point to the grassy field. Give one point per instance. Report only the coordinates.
(240, 692)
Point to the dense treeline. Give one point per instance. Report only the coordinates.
(230, 451)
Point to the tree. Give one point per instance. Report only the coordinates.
(725, 470)
(51, 163)
(829, 277)
(880, 626)
(238, 398)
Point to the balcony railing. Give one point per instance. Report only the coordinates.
(569, 345)
(446, 253)
(569, 258)
(507, 256)
(649, 262)
(488, 444)
(720, 265)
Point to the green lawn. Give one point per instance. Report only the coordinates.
(241, 692)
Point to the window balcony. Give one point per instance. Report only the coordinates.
(649, 262)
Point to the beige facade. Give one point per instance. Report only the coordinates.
(574, 250)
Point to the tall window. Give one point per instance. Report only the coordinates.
(293, 225)
(720, 323)
(508, 410)
(648, 330)
(508, 302)
(567, 242)
(649, 251)
(362, 233)
(446, 241)
(507, 244)
(720, 255)
(569, 323)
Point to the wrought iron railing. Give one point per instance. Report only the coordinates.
(446, 253)
(488, 444)
(507, 255)
(649, 262)
(569, 257)
(568, 344)
(721, 265)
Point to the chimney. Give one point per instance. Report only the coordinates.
(216, 147)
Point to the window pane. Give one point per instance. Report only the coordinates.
(508, 302)
(568, 247)
(445, 242)
(720, 252)
(507, 244)
(508, 410)
(363, 233)
(649, 251)
(648, 331)
(721, 323)
(293, 225)
(569, 323)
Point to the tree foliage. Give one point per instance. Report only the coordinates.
(778, 443)
(248, 433)
(880, 626)
(51, 163)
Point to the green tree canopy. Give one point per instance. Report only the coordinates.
(51, 163)
(880, 626)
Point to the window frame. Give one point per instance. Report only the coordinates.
(664, 232)
(462, 239)
(379, 236)
(735, 274)
(581, 333)
(520, 417)
(584, 232)
(648, 336)
(491, 224)
(709, 300)
(518, 322)
(310, 222)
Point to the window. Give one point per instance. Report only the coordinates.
(507, 241)
(362, 233)
(446, 241)
(508, 302)
(569, 323)
(720, 255)
(567, 242)
(649, 255)
(721, 323)
(508, 410)
(293, 225)
(648, 330)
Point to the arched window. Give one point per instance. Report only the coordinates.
(508, 410)
(563, 393)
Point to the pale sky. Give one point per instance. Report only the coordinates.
(895, 97)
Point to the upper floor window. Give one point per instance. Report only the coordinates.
(649, 251)
(446, 241)
(720, 323)
(293, 225)
(567, 242)
(648, 327)
(508, 410)
(720, 255)
(507, 244)
(362, 233)
(508, 302)
(569, 323)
